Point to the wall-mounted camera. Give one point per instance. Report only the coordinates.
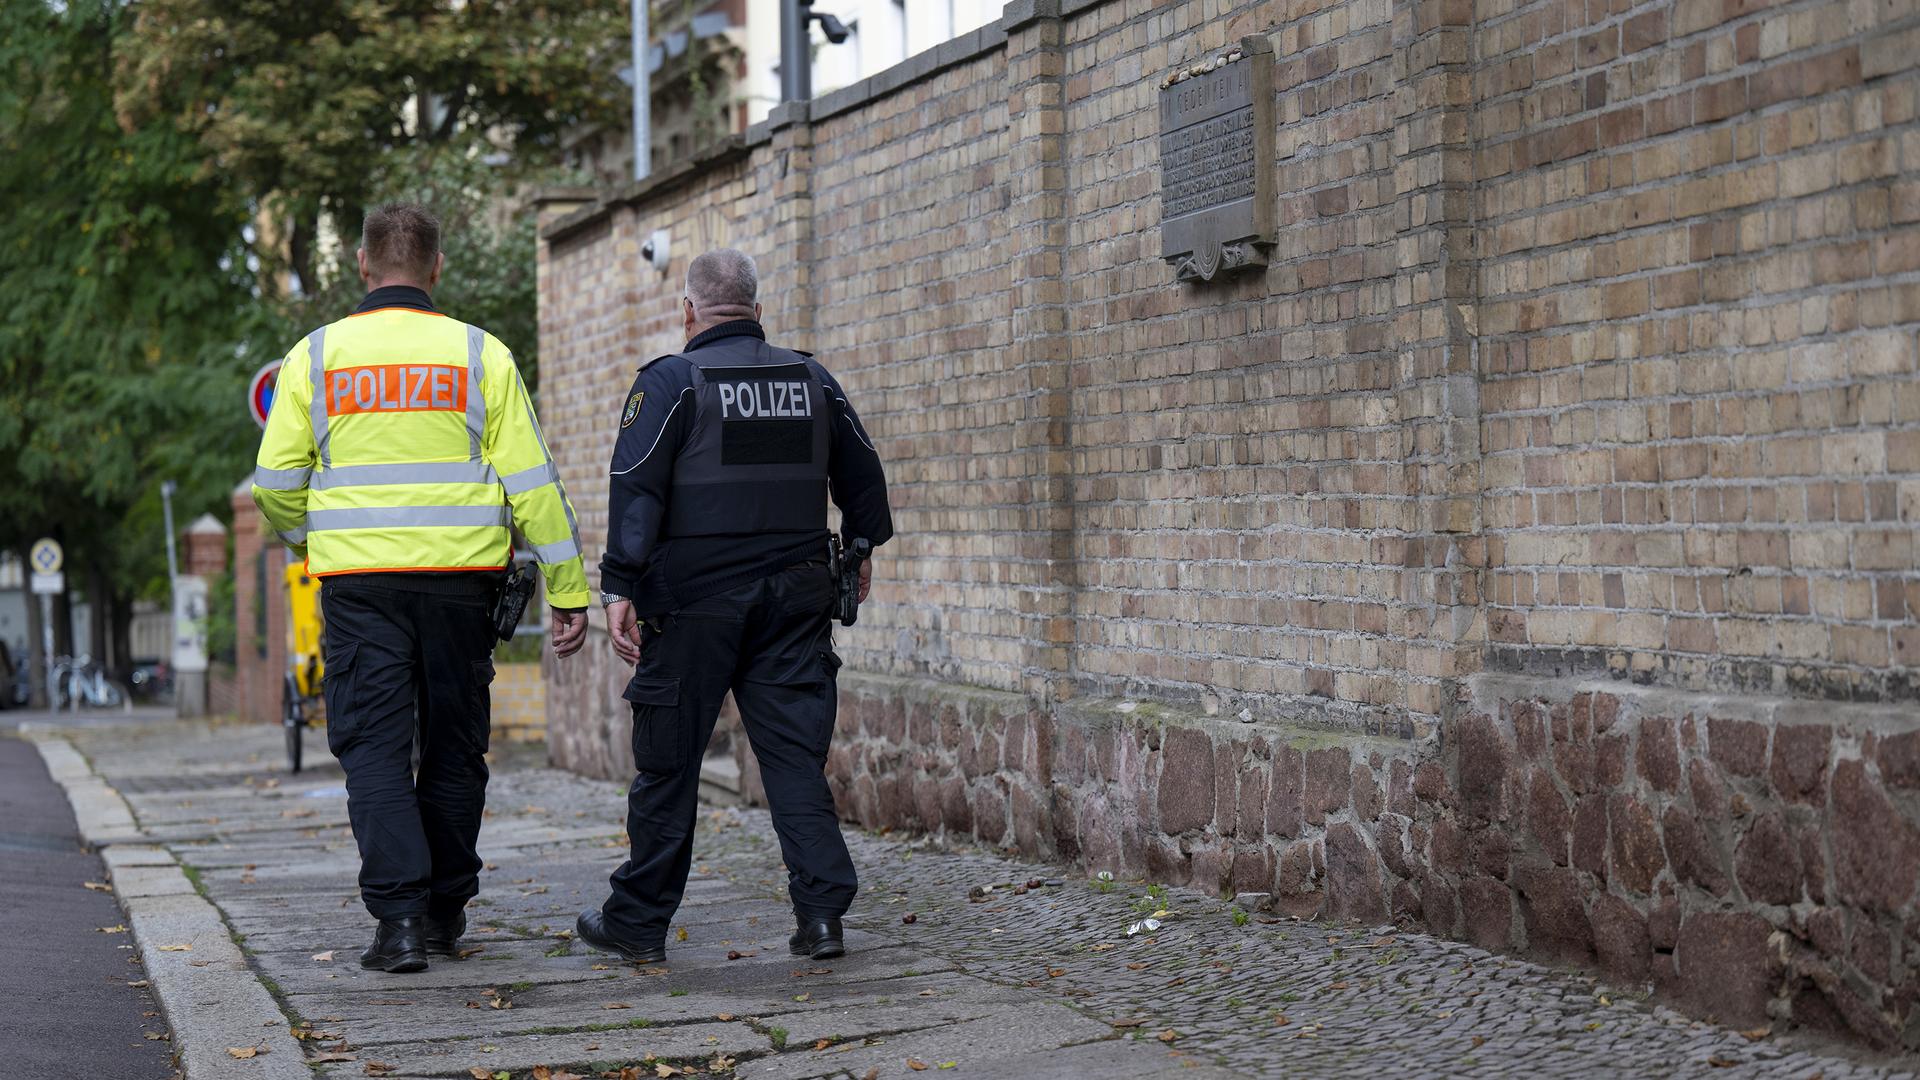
(835, 30)
(655, 250)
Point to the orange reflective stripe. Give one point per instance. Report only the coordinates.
(383, 388)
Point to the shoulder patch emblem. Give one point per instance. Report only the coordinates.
(633, 408)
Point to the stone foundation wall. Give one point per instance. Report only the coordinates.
(1753, 860)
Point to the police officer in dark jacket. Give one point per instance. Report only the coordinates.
(715, 579)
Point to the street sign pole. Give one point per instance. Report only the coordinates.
(45, 560)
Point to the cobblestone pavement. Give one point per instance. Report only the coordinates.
(1053, 980)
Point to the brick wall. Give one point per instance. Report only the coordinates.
(1528, 552)
(519, 702)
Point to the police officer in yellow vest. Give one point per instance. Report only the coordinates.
(400, 447)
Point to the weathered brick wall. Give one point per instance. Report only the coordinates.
(1698, 239)
(519, 702)
(1527, 553)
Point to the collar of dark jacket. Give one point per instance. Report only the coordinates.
(400, 296)
(735, 328)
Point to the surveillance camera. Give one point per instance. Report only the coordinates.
(835, 30)
(655, 250)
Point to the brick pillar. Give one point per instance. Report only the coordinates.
(1436, 380)
(786, 288)
(1039, 354)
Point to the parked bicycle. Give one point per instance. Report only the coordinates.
(79, 682)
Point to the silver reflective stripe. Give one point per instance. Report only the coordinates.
(573, 526)
(281, 479)
(422, 472)
(557, 552)
(476, 400)
(295, 537)
(317, 386)
(528, 479)
(406, 517)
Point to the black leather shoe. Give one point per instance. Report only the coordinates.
(591, 928)
(818, 938)
(397, 947)
(442, 936)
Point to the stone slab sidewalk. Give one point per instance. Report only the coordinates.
(1051, 981)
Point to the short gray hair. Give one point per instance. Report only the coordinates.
(723, 284)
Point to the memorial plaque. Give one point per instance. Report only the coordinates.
(1216, 163)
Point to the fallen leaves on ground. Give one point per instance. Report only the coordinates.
(324, 957)
(803, 997)
(1168, 1035)
(379, 1068)
(929, 993)
(1337, 986)
(1281, 1020)
(680, 934)
(332, 1055)
(600, 967)
(616, 1005)
(502, 1003)
(1134, 1023)
(1719, 1062)
(158, 1036)
(139, 984)
(1479, 1041)
(917, 1065)
(176, 948)
(1054, 973)
(121, 929)
(822, 1044)
(245, 1052)
(1138, 965)
(97, 886)
(909, 918)
(723, 1016)
(542, 1072)
(800, 973)
(735, 954)
(1756, 1034)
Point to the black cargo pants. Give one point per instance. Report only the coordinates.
(394, 653)
(770, 642)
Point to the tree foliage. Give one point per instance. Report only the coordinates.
(183, 182)
(320, 106)
(128, 300)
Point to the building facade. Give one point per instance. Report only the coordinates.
(1526, 551)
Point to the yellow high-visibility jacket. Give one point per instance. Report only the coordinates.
(401, 439)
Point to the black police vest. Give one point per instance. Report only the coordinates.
(756, 459)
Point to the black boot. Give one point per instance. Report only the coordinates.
(818, 938)
(442, 936)
(397, 947)
(591, 928)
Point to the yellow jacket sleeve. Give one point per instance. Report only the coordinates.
(285, 463)
(514, 447)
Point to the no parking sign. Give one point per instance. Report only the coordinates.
(260, 392)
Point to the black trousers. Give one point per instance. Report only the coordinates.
(771, 643)
(393, 655)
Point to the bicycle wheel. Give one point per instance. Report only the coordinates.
(293, 721)
(111, 696)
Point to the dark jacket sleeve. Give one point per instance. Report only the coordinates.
(642, 469)
(854, 477)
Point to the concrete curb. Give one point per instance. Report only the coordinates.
(210, 996)
(98, 809)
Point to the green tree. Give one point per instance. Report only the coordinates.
(318, 107)
(129, 326)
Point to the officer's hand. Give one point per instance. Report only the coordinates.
(624, 628)
(569, 632)
(866, 579)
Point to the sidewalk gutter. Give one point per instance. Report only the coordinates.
(211, 998)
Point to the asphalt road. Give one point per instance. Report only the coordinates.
(66, 1008)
